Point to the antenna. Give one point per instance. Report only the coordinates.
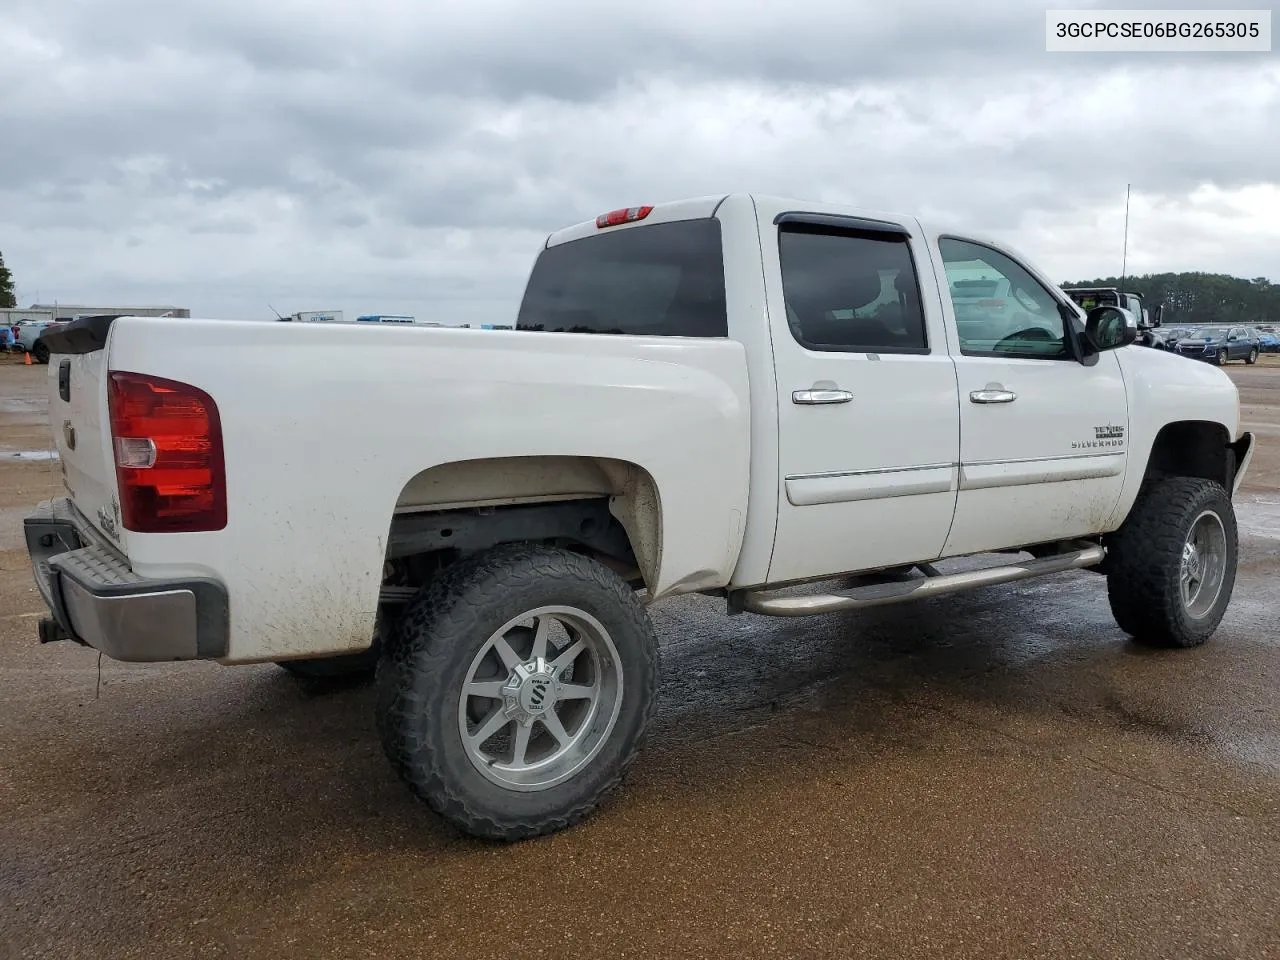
(275, 311)
(1124, 261)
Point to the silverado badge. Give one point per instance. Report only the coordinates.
(1109, 435)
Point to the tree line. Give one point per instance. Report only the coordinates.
(6, 286)
(1202, 297)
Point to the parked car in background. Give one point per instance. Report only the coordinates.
(980, 301)
(28, 337)
(1268, 341)
(26, 331)
(1220, 344)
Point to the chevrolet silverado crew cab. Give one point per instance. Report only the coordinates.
(740, 396)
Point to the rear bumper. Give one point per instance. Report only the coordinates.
(99, 601)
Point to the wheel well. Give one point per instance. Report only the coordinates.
(1193, 448)
(606, 508)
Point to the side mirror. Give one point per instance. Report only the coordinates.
(1110, 327)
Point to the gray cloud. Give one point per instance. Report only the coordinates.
(409, 158)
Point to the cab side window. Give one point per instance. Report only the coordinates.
(1001, 310)
(851, 291)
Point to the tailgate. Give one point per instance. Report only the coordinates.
(79, 418)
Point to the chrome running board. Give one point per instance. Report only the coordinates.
(769, 604)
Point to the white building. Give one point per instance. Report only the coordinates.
(48, 312)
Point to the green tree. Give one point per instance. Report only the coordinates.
(1202, 297)
(6, 286)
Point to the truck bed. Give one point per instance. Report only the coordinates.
(329, 430)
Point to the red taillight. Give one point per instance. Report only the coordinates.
(626, 215)
(167, 441)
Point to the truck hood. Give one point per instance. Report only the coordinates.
(1174, 388)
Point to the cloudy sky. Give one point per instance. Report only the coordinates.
(409, 156)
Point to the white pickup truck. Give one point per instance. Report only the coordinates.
(741, 396)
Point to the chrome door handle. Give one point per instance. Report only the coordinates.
(821, 396)
(993, 396)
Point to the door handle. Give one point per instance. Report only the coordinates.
(991, 395)
(821, 396)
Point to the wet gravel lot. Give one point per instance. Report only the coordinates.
(991, 775)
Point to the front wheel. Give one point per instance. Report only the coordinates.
(517, 690)
(1253, 356)
(1221, 358)
(40, 352)
(1171, 567)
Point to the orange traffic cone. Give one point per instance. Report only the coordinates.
(27, 358)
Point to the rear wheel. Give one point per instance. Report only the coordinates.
(517, 689)
(1253, 356)
(1171, 567)
(40, 351)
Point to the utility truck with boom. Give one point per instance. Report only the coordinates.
(734, 395)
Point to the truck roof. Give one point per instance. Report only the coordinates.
(689, 209)
(699, 207)
(626, 218)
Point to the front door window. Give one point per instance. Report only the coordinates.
(1001, 309)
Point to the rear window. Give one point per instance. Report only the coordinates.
(665, 280)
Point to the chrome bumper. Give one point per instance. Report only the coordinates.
(99, 601)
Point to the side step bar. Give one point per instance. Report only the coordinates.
(881, 594)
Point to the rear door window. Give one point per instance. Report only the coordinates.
(662, 279)
(850, 290)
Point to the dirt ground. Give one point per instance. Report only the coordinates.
(991, 775)
(1260, 410)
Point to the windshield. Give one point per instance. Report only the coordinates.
(1212, 333)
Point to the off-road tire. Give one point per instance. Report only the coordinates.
(353, 665)
(425, 664)
(1253, 356)
(1144, 560)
